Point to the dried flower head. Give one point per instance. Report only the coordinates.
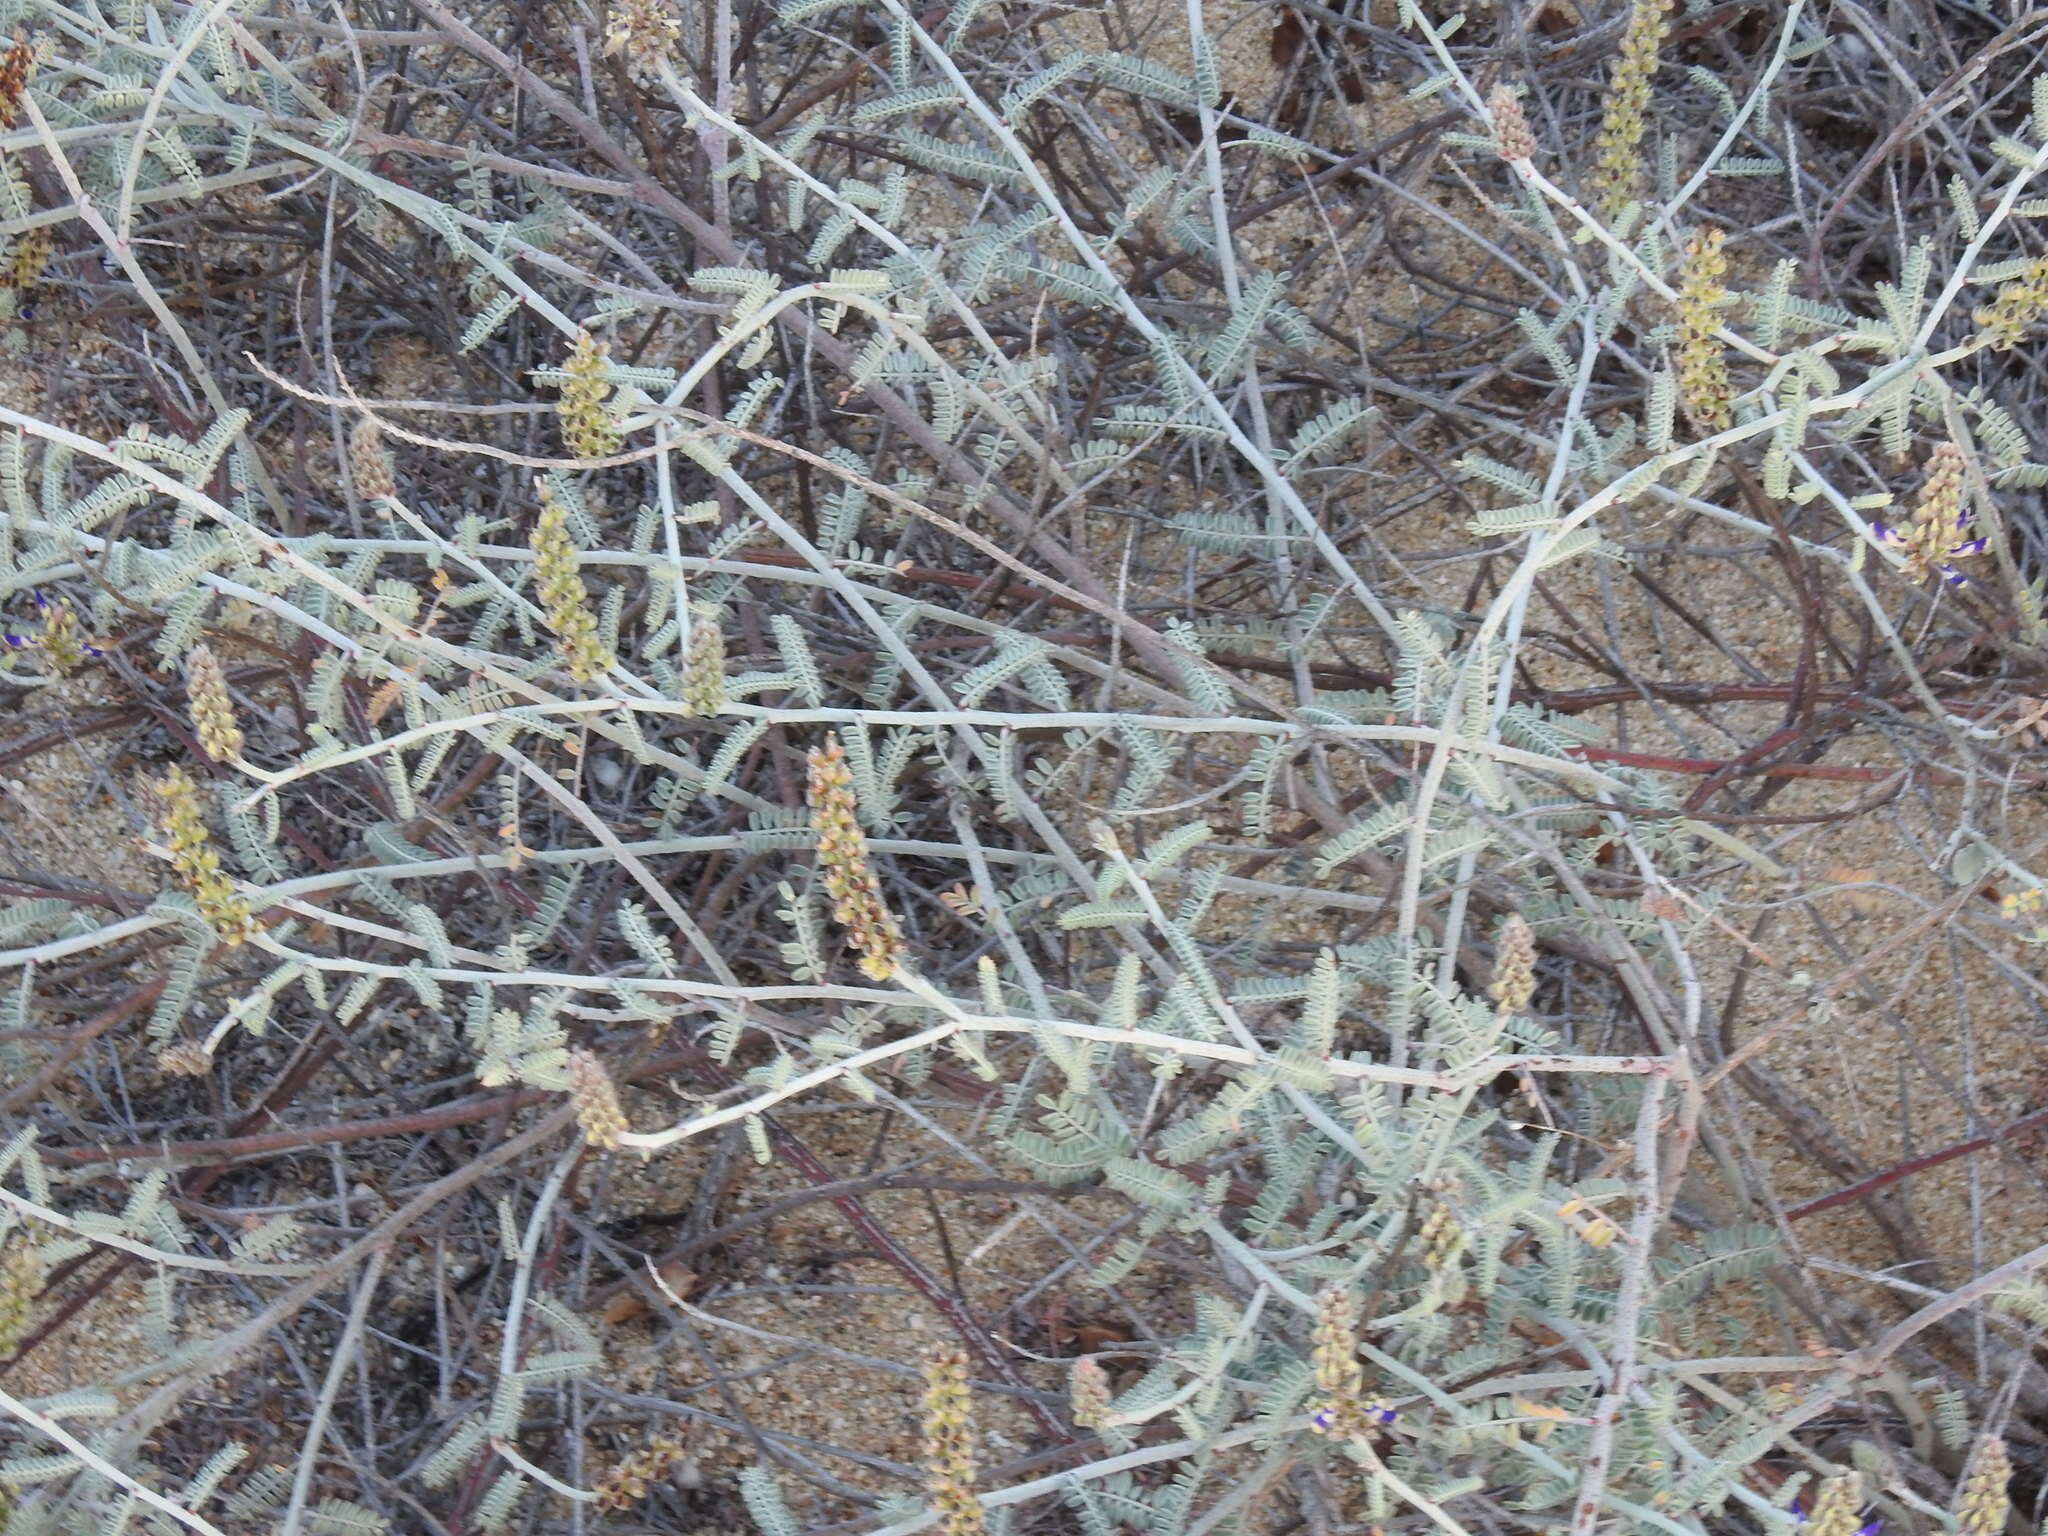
(212, 711)
(1986, 1500)
(1511, 136)
(1702, 362)
(17, 68)
(28, 259)
(703, 682)
(1624, 116)
(184, 1058)
(1088, 1393)
(369, 462)
(2015, 307)
(589, 430)
(626, 1484)
(596, 1099)
(559, 585)
(1514, 965)
(843, 863)
(1939, 533)
(949, 1444)
(645, 32)
(194, 861)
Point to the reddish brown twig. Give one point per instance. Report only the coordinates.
(948, 1305)
(1911, 1166)
(1921, 773)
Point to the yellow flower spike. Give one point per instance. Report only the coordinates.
(1702, 362)
(1986, 1498)
(703, 683)
(589, 430)
(1441, 1238)
(1625, 116)
(21, 1282)
(559, 585)
(1341, 1409)
(949, 1444)
(1939, 531)
(843, 865)
(1835, 1506)
(194, 862)
(1514, 966)
(212, 711)
(2015, 307)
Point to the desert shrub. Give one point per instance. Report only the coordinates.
(668, 573)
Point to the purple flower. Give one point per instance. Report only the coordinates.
(1868, 1528)
(1926, 551)
(1323, 1419)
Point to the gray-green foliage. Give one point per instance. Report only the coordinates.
(1287, 1112)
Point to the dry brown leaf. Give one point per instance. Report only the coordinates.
(629, 1306)
(1863, 902)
